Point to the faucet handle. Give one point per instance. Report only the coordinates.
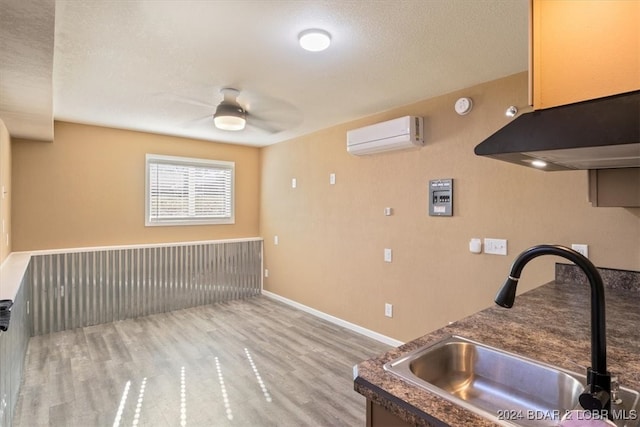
(595, 401)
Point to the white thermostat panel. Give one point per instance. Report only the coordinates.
(463, 106)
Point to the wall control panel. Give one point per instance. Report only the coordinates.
(441, 197)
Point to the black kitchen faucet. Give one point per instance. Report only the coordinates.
(597, 397)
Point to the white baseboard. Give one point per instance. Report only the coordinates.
(352, 326)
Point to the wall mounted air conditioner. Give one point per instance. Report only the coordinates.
(396, 134)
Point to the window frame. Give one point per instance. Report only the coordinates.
(186, 161)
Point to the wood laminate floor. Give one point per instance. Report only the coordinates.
(255, 362)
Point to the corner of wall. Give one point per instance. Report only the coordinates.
(5, 192)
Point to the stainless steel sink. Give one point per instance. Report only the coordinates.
(501, 386)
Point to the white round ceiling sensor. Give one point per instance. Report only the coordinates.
(463, 106)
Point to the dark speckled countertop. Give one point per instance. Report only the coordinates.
(550, 323)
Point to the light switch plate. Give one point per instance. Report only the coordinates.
(388, 310)
(387, 255)
(495, 246)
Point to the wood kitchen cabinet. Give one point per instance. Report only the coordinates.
(615, 187)
(377, 416)
(583, 49)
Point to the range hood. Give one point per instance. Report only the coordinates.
(603, 133)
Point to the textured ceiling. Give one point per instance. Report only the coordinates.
(26, 67)
(158, 66)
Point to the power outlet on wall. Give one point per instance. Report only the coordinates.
(583, 249)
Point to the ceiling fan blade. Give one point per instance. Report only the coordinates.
(274, 121)
(270, 114)
(198, 121)
(267, 125)
(187, 100)
(264, 125)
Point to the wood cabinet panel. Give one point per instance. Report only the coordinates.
(377, 416)
(615, 187)
(584, 50)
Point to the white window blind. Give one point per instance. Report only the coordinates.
(184, 190)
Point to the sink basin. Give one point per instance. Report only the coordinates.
(501, 386)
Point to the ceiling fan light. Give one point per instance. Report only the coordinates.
(314, 40)
(229, 117)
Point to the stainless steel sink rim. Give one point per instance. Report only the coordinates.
(401, 367)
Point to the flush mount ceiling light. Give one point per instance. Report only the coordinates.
(314, 40)
(229, 115)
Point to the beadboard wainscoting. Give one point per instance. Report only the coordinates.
(59, 290)
(13, 348)
(77, 289)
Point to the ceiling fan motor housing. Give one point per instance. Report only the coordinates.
(229, 116)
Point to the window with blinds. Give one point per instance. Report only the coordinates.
(184, 191)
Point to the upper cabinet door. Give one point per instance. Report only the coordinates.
(584, 49)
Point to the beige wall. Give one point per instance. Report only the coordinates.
(331, 237)
(87, 189)
(5, 199)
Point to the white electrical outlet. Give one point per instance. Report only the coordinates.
(583, 249)
(387, 255)
(332, 178)
(495, 246)
(276, 241)
(294, 183)
(388, 309)
(388, 211)
(266, 272)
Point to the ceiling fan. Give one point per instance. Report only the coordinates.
(239, 110)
